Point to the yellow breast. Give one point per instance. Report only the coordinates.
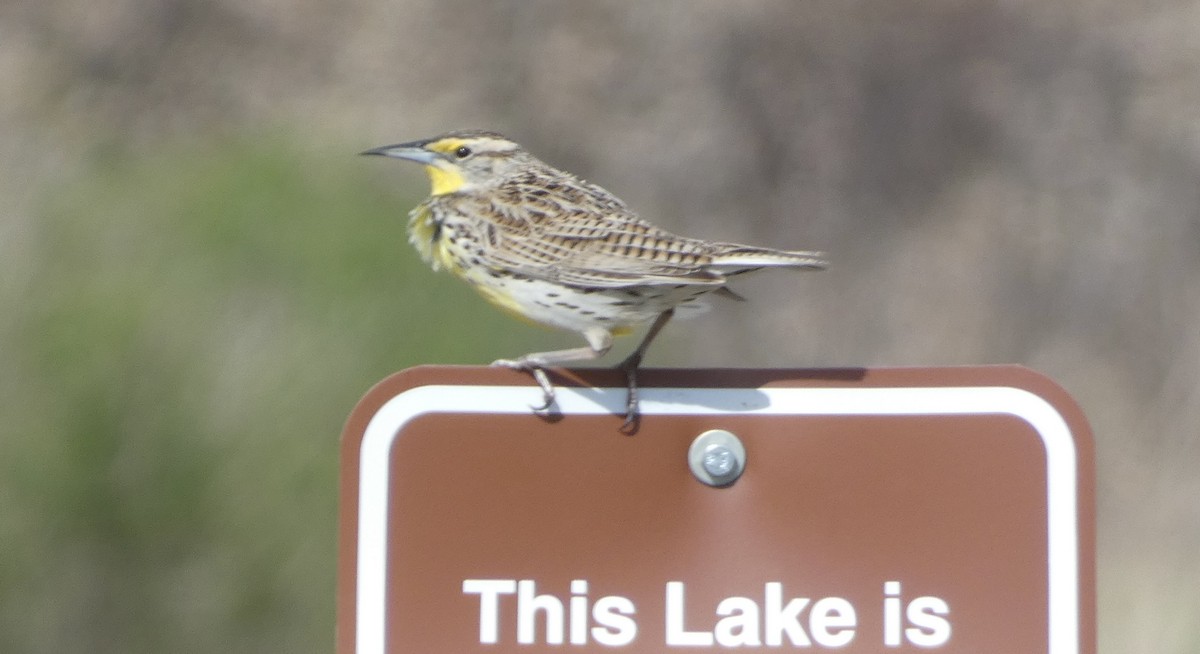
(429, 240)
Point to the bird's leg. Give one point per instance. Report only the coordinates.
(536, 363)
(631, 363)
(599, 342)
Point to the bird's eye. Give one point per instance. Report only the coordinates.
(462, 152)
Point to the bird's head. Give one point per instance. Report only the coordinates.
(463, 160)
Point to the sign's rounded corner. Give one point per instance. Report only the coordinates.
(1064, 403)
(396, 383)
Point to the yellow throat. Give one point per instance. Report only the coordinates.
(444, 180)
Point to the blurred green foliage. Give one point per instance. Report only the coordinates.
(190, 331)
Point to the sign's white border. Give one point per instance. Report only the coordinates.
(1062, 520)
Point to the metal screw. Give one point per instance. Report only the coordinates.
(718, 460)
(717, 457)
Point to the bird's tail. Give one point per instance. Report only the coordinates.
(744, 256)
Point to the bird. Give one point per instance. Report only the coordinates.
(552, 249)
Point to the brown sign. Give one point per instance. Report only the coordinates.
(932, 509)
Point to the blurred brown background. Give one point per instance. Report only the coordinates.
(198, 278)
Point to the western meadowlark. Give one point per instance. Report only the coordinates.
(553, 249)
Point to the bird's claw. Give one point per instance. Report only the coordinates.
(630, 366)
(537, 370)
(539, 375)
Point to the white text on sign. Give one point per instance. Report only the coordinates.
(772, 620)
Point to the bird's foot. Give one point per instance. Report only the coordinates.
(537, 369)
(632, 416)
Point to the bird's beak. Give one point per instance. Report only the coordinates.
(414, 151)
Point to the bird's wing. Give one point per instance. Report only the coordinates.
(615, 250)
(578, 233)
(584, 236)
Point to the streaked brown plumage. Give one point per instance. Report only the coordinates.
(556, 250)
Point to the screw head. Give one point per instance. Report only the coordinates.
(718, 460)
(717, 457)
